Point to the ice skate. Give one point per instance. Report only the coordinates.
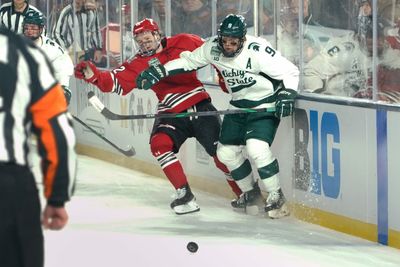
(275, 205)
(185, 202)
(248, 200)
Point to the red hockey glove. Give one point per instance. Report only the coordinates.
(78, 71)
(285, 102)
(87, 71)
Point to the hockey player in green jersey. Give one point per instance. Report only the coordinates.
(256, 76)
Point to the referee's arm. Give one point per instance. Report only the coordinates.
(56, 141)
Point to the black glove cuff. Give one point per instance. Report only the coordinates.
(56, 203)
(286, 93)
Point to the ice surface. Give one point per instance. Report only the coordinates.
(121, 218)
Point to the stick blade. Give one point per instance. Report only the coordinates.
(129, 153)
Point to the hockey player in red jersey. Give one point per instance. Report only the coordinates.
(181, 93)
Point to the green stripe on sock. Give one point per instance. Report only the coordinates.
(269, 170)
(243, 171)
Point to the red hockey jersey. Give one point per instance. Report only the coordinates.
(175, 93)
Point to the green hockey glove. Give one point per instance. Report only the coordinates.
(285, 102)
(150, 76)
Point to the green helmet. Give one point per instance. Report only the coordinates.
(232, 26)
(34, 17)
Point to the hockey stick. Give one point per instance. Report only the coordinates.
(96, 103)
(129, 153)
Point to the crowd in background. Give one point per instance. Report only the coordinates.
(334, 34)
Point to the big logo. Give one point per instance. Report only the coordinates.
(319, 136)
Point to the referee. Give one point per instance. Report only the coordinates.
(31, 101)
(78, 30)
(12, 14)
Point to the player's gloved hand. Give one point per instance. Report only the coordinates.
(67, 93)
(151, 76)
(87, 71)
(285, 102)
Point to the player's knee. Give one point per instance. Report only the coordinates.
(227, 154)
(260, 152)
(161, 143)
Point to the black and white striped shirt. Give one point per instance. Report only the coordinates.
(12, 19)
(81, 27)
(31, 98)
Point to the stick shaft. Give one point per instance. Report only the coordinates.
(130, 152)
(96, 103)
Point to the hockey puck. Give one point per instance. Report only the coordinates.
(192, 247)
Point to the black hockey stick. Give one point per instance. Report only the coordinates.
(129, 153)
(96, 103)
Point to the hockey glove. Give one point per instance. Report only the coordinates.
(285, 102)
(87, 71)
(150, 76)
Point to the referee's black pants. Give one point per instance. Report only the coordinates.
(21, 236)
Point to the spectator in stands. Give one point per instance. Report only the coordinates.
(240, 7)
(157, 10)
(344, 66)
(341, 68)
(364, 19)
(194, 16)
(12, 14)
(288, 32)
(267, 18)
(389, 68)
(389, 65)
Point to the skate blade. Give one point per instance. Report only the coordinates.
(189, 207)
(239, 207)
(279, 213)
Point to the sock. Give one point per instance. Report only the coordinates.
(235, 188)
(175, 174)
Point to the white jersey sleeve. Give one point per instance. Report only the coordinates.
(62, 63)
(251, 77)
(190, 60)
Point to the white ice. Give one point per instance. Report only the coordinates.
(121, 218)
